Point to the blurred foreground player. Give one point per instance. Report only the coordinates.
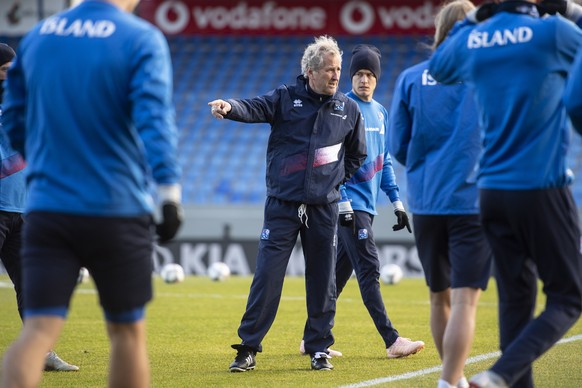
(88, 105)
(12, 201)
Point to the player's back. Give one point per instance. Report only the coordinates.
(434, 133)
(86, 85)
(518, 64)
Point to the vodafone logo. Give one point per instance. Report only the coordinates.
(285, 16)
(172, 17)
(359, 17)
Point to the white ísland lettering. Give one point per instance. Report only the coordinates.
(496, 40)
(474, 40)
(75, 28)
(427, 79)
(269, 15)
(78, 28)
(49, 26)
(99, 29)
(518, 35)
(524, 34)
(509, 36)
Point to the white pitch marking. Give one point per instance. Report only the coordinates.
(422, 372)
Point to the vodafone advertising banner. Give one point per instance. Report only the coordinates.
(291, 17)
(252, 17)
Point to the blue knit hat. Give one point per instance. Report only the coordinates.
(6, 54)
(366, 57)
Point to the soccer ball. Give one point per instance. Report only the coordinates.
(218, 271)
(391, 274)
(172, 273)
(83, 275)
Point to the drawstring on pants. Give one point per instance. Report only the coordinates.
(302, 211)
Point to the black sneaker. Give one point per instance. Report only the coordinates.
(319, 361)
(244, 360)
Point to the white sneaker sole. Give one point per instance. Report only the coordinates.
(331, 352)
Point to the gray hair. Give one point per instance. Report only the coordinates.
(449, 14)
(314, 53)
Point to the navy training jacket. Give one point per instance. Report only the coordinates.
(316, 143)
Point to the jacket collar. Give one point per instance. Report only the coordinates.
(303, 88)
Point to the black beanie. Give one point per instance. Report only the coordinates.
(366, 57)
(6, 54)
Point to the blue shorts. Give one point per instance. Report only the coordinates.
(117, 251)
(453, 251)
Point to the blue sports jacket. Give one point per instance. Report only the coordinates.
(434, 133)
(518, 64)
(89, 98)
(316, 142)
(376, 173)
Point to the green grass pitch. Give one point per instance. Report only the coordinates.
(191, 326)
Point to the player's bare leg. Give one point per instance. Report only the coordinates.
(440, 310)
(458, 336)
(25, 359)
(129, 364)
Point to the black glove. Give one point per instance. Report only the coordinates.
(402, 221)
(483, 12)
(171, 213)
(346, 213)
(553, 7)
(172, 216)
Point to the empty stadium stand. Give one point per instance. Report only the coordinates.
(224, 161)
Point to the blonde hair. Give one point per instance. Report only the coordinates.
(314, 53)
(450, 13)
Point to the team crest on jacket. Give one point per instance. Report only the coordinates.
(362, 234)
(265, 234)
(297, 103)
(339, 106)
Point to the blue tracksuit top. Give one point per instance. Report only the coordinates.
(518, 64)
(573, 94)
(98, 122)
(12, 176)
(376, 172)
(316, 142)
(434, 133)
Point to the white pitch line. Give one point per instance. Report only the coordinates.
(434, 369)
